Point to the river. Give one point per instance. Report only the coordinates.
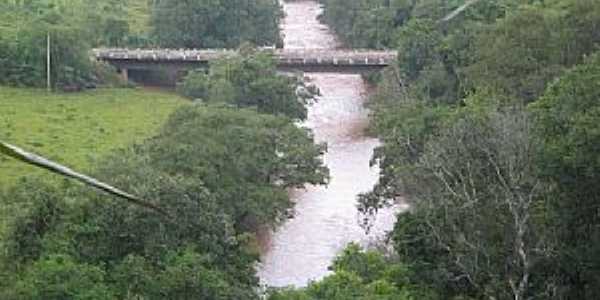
(326, 218)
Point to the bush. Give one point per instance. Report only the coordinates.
(59, 277)
(361, 275)
(249, 80)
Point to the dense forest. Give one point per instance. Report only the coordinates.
(489, 123)
(490, 130)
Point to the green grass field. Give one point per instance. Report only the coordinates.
(79, 128)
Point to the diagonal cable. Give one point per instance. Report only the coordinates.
(41, 162)
(459, 10)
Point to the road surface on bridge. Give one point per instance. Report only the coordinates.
(325, 60)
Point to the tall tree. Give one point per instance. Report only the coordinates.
(567, 123)
(477, 193)
(215, 23)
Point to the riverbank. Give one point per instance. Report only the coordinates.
(77, 128)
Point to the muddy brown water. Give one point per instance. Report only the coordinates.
(326, 218)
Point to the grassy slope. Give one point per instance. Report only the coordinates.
(76, 129)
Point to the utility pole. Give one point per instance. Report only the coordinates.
(377, 10)
(48, 79)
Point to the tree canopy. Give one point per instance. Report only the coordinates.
(250, 79)
(219, 172)
(215, 24)
(488, 124)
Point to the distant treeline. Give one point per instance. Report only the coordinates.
(490, 127)
(76, 26)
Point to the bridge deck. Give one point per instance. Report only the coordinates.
(285, 57)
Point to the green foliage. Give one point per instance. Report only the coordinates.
(485, 51)
(476, 188)
(38, 207)
(459, 146)
(364, 23)
(215, 24)
(59, 277)
(375, 24)
(23, 61)
(567, 122)
(73, 28)
(359, 274)
(566, 115)
(418, 41)
(527, 49)
(219, 173)
(403, 146)
(134, 277)
(177, 256)
(248, 80)
(196, 85)
(190, 275)
(368, 265)
(240, 154)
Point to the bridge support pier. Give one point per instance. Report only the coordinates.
(124, 74)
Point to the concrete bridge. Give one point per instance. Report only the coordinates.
(175, 62)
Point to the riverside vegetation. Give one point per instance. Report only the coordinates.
(489, 124)
(219, 167)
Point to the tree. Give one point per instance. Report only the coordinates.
(477, 191)
(73, 27)
(359, 274)
(567, 124)
(500, 207)
(249, 80)
(247, 159)
(523, 52)
(59, 277)
(366, 24)
(405, 123)
(216, 23)
(418, 46)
